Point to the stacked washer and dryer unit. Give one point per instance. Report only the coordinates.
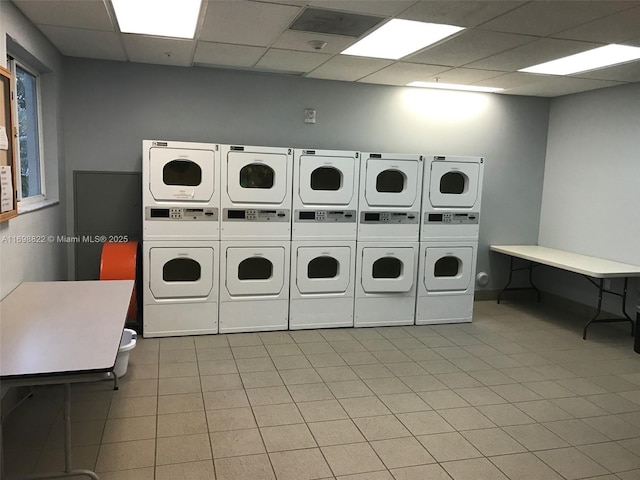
(388, 233)
(255, 238)
(323, 247)
(452, 191)
(181, 202)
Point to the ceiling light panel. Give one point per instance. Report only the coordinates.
(164, 18)
(590, 60)
(399, 38)
(454, 86)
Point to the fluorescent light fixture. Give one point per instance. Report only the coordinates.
(590, 60)
(164, 18)
(454, 86)
(398, 38)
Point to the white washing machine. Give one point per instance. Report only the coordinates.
(322, 284)
(181, 190)
(325, 194)
(180, 292)
(451, 193)
(446, 282)
(256, 192)
(254, 286)
(385, 283)
(390, 195)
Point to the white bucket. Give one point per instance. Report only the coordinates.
(127, 343)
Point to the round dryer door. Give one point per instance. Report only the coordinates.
(256, 177)
(181, 272)
(388, 269)
(255, 271)
(323, 269)
(181, 174)
(454, 184)
(391, 183)
(327, 180)
(448, 268)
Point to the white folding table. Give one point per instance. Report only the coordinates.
(61, 333)
(589, 267)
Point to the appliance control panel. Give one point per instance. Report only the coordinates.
(389, 217)
(181, 213)
(255, 215)
(452, 218)
(326, 216)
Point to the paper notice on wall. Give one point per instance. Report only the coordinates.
(6, 189)
(4, 140)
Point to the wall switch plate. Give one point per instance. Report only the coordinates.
(309, 115)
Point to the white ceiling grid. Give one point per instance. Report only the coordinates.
(501, 37)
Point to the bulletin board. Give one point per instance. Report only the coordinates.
(8, 198)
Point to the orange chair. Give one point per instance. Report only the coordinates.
(119, 262)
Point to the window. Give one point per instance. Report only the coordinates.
(454, 183)
(326, 178)
(387, 267)
(181, 270)
(390, 181)
(28, 122)
(323, 267)
(446, 267)
(182, 172)
(256, 175)
(255, 268)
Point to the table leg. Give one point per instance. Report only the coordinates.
(68, 471)
(508, 286)
(601, 290)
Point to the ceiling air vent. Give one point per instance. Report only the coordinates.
(334, 23)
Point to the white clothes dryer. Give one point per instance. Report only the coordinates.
(389, 198)
(256, 193)
(446, 282)
(181, 190)
(325, 194)
(322, 284)
(180, 288)
(385, 283)
(254, 286)
(451, 197)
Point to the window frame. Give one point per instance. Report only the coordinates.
(13, 62)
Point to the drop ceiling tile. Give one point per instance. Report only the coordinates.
(627, 72)
(348, 68)
(546, 18)
(293, 40)
(466, 76)
(620, 27)
(88, 14)
(462, 13)
(533, 53)
(555, 87)
(385, 8)
(77, 42)
(227, 55)
(510, 81)
(162, 51)
(246, 23)
(401, 73)
(291, 61)
(469, 46)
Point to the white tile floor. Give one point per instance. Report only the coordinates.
(515, 395)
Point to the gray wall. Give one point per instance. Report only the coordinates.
(27, 261)
(591, 199)
(110, 107)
